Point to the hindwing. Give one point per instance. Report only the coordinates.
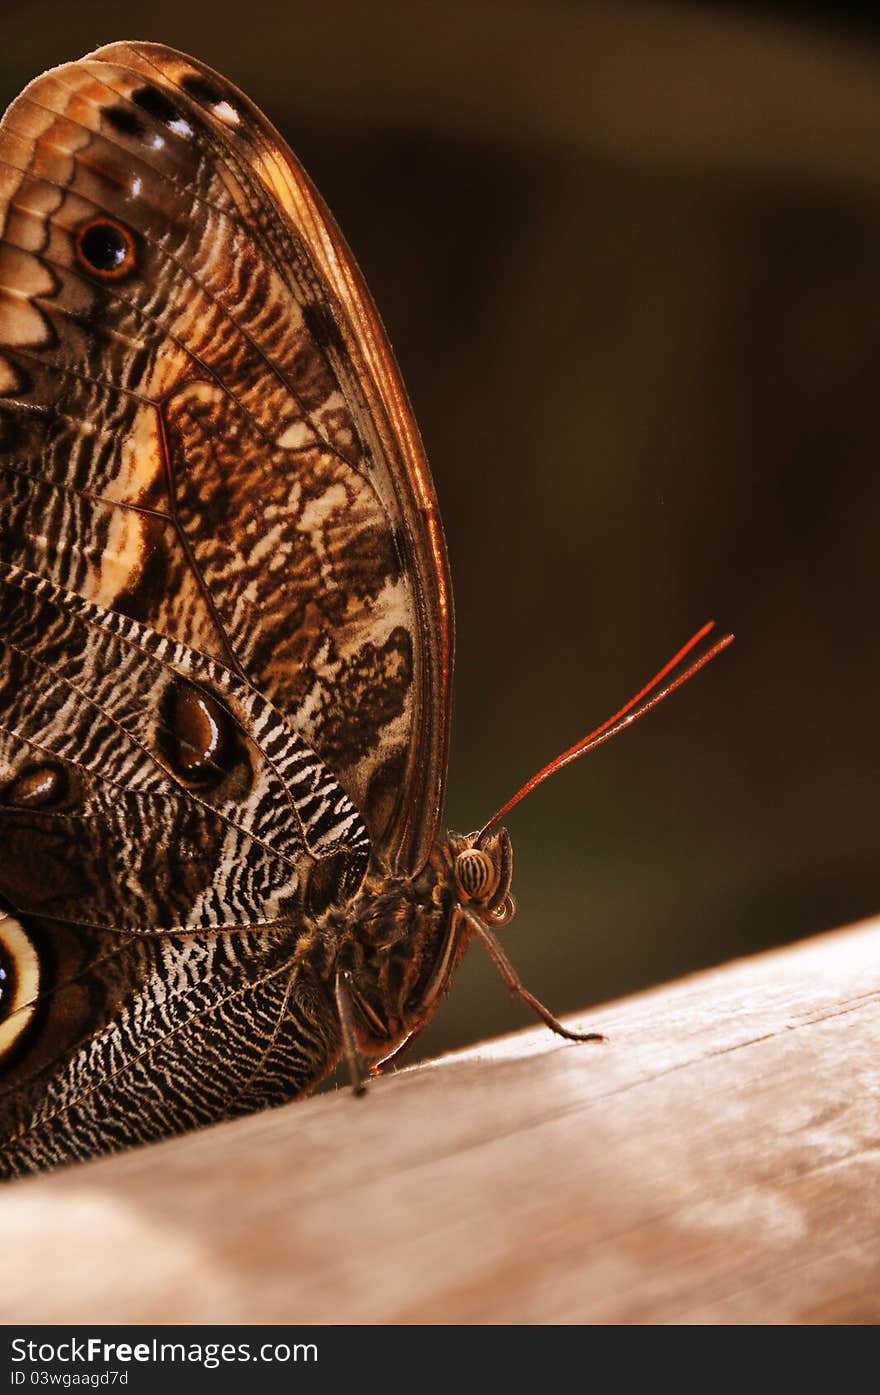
(225, 616)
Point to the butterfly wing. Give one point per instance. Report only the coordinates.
(210, 434)
(220, 1025)
(225, 624)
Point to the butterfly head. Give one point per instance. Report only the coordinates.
(413, 932)
(483, 870)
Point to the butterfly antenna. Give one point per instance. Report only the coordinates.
(664, 682)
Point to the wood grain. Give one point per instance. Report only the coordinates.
(715, 1161)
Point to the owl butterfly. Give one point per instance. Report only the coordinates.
(225, 632)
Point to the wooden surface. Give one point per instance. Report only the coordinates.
(716, 1161)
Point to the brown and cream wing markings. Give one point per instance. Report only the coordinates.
(206, 430)
(219, 1025)
(225, 621)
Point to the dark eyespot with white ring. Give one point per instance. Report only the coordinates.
(105, 248)
(475, 874)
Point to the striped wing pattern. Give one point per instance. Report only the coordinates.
(151, 855)
(219, 1026)
(225, 623)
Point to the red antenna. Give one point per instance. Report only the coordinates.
(638, 705)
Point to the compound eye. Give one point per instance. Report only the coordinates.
(505, 912)
(476, 874)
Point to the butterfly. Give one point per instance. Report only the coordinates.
(226, 632)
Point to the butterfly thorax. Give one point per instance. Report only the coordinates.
(400, 939)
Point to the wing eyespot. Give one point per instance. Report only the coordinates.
(105, 248)
(42, 785)
(197, 735)
(20, 977)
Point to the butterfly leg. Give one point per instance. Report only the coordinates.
(515, 984)
(356, 1072)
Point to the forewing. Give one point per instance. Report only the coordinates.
(211, 436)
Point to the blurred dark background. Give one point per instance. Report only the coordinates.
(628, 257)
